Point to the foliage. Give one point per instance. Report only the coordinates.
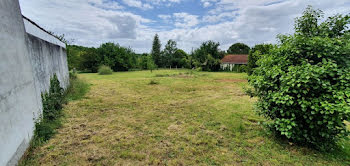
(168, 54)
(73, 56)
(50, 121)
(90, 61)
(208, 56)
(255, 54)
(181, 59)
(53, 100)
(73, 74)
(77, 89)
(142, 61)
(303, 84)
(238, 48)
(201, 120)
(104, 70)
(250, 91)
(156, 51)
(152, 82)
(52, 105)
(117, 57)
(60, 37)
(150, 63)
(240, 68)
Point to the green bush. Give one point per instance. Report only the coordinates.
(249, 91)
(240, 68)
(52, 105)
(53, 100)
(255, 54)
(152, 82)
(50, 121)
(104, 70)
(303, 85)
(77, 89)
(73, 74)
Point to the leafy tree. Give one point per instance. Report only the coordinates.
(89, 60)
(73, 56)
(150, 63)
(255, 54)
(188, 59)
(142, 61)
(303, 84)
(156, 50)
(117, 57)
(179, 58)
(238, 48)
(208, 56)
(168, 53)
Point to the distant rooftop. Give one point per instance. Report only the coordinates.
(235, 59)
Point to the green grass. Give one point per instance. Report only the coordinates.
(187, 118)
(47, 127)
(77, 89)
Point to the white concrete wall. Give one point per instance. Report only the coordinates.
(224, 66)
(26, 64)
(35, 31)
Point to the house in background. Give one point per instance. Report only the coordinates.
(233, 62)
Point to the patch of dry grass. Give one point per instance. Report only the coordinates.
(201, 119)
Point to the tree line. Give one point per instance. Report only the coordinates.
(206, 58)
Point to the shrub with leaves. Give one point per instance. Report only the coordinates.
(52, 106)
(53, 100)
(303, 84)
(152, 82)
(255, 54)
(104, 70)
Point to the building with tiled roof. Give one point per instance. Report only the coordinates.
(229, 61)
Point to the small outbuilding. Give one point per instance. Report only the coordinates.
(233, 61)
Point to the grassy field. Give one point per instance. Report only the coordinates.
(170, 117)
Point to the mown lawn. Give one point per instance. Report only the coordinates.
(183, 118)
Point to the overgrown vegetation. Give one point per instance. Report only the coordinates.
(152, 82)
(53, 101)
(255, 54)
(77, 88)
(238, 48)
(46, 126)
(207, 57)
(113, 55)
(105, 70)
(201, 120)
(303, 84)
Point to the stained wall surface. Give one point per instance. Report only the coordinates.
(27, 61)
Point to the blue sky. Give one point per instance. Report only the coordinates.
(133, 23)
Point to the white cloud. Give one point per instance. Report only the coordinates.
(85, 22)
(92, 22)
(163, 1)
(220, 17)
(138, 4)
(164, 16)
(208, 3)
(105, 4)
(185, 20)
